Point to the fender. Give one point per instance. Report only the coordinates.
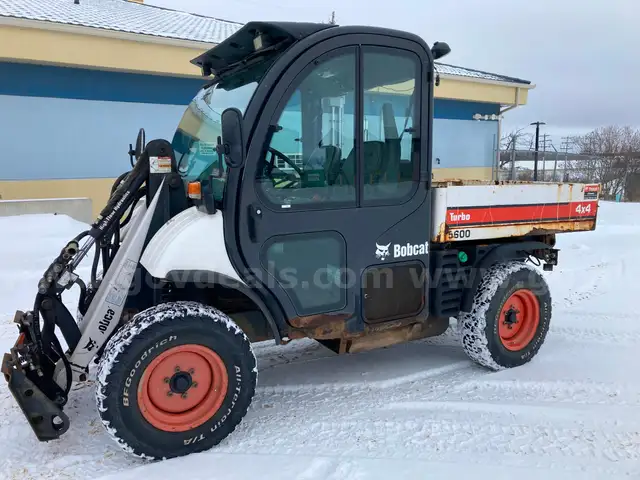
(499, 254)
(192, 240)
(211, 278)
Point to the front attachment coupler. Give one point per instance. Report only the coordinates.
(46, 418)
(58, 265)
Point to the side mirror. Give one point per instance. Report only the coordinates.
(232, 140)
(440, 49)
(140, 143)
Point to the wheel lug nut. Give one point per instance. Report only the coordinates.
(194, 384)
(184, 395)
(166, 379)
(169, 393)
(177, 369)
(191, 371)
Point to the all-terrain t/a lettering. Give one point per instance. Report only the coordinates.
(192, 440)
(234, 399)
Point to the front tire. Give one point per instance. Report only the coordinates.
(509, 318)
(175, 380)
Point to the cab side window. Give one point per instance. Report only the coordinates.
(391, 147)
(310, 159)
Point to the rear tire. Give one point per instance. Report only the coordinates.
(175, 380)
(509, 318)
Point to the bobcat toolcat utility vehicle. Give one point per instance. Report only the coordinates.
(295, 201)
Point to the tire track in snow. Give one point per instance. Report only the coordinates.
(595, 335)
(294, 402)
(371, 385)
(588, 290)
(447, 438)
(571, 392)
(602, 316)
(597, 417)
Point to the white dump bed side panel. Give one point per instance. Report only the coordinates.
(476, 212)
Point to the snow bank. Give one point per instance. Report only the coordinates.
(420, 410)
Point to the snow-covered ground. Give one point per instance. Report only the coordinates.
(420, 410)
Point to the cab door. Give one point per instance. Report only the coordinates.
(333, 214)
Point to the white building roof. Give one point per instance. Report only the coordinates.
(446, 69)
(123, 16)
(131, 17)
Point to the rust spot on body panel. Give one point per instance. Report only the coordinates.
(407, 333)
(335, 327)
(514, 230)
(546, 228)
(313, 321)
(441, 234)
(374, 336)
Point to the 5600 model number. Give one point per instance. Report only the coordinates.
(460, 234)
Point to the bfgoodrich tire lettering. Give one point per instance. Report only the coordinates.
(138, 343)
(479, 328)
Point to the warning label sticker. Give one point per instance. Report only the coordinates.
(591, 192)
(160, 164)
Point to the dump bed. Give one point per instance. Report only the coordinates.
(465, 211)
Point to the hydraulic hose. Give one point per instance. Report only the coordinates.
(121, 198)
(141, 193)
(118, 181)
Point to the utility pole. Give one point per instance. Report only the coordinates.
(332, 21)
(566, 141)
(545, 137)
(514, 141)
(535, 162)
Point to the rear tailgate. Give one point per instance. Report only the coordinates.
(477, 212)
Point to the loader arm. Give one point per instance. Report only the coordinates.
(38, 371)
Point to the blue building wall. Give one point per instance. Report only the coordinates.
(54, 138)
(67, 123)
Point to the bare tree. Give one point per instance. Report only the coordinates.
(613, 153)
(515, 140)
(332, 18)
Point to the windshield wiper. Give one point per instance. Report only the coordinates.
(249, 60)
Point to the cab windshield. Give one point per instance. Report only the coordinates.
(196, 137)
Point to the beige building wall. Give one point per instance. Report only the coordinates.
(98, 189)
(73, 46)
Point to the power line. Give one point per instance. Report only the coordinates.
(545, 139)
(566, 142)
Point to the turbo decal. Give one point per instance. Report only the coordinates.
(499, 214)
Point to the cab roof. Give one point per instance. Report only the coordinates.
(276, 36)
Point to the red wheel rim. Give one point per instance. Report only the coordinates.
(182, 388)
(519, 320)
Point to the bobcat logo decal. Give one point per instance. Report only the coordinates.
(382, 251)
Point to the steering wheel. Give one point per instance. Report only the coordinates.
(275, 154)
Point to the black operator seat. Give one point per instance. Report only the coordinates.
(372, 155)
(390, 166)
(332, 164)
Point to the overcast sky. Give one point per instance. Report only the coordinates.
(582, 55)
